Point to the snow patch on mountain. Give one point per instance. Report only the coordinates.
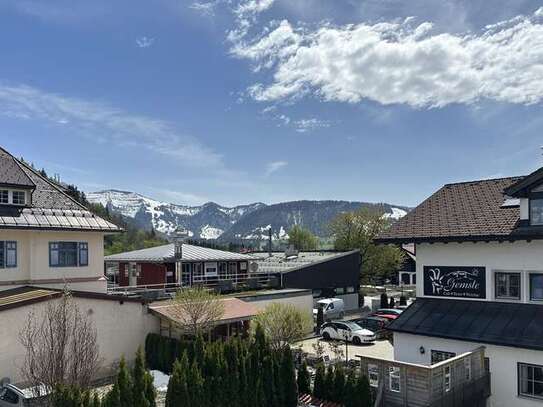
(209, 232)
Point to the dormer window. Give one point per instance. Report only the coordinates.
(13, 197)
(536, 211)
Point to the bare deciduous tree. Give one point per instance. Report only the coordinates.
(197, 309)
(61, 345)
(283, 324)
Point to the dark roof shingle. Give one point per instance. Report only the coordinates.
(463, 211)
(507, 324)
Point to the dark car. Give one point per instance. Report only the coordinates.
(375, 324)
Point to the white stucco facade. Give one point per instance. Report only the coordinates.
(33, 261)
(502, 360)
(121, 328)
(520, 256)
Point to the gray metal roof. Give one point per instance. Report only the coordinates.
(166, 254)
(50, 209)
(278, 262)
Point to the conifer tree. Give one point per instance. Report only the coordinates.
(124, 384)
(363, 391)
(112, 398)
(304, 380)
(268, 381)
(139, 384)
(199, 346)
(350, 396)
(195, 386)
(329, 384)
(318, 387)
(177, 394)
(339, 385)
(288, 380)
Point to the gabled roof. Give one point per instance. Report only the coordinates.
(463, 211)
(11, 172)
(497, 323)
(51, 208)
(522, 187)
(166, 253)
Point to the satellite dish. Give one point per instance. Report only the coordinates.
(254, 267)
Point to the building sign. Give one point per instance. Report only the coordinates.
(463, 282)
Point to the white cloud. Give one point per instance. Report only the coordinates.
(106, 124)
(145, 42)
(246, 13)
(206, 9)
(307, 125)
(397, 63)
(274, 166)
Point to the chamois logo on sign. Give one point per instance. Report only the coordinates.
(446, 281)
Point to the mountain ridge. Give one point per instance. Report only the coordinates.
(237, 223)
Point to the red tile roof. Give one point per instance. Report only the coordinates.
(462, 211)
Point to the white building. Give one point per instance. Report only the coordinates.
(479, 265)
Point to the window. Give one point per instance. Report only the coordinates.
(536, 287)
(467, 369)
(18, 197)
(232, 269)
(243, 266)
(373, 375)
(198, 272)
(8, 254)
(536, 212)
(83, 254)
(350, 290)
(68, 254)
(211, 269)
(4, 196)
(223, 269)
(11, 254)
(340, 291)
(439, 356)
(447, 378)
(530, 380)
(414, 279)
(507, 285)
(394, 379)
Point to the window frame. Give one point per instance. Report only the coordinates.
(467, 369)
(530, 296)
(536, 196)
(4, 193)
(211, 265)
(56, 246)
(395, 373)
(508, 297)
(532, 380)
(17, 191)
(447, 378)
(440, 352)
(4, 257)
(373, 375)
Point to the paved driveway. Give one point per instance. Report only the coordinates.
(337, 350)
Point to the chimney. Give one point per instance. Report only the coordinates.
(181, 234)
(270, 241)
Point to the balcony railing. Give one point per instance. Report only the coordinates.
(473, 394)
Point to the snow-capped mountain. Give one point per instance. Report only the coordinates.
(244, 222)
(207, 221)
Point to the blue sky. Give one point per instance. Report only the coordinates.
(237, 101)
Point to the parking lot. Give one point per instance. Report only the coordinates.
(337, 350)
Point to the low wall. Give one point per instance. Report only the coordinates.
(121, 329)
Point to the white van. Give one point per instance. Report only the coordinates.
(331, 307)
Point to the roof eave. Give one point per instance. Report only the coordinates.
(459, 239)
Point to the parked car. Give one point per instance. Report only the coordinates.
(331, 307)
(395, 311)
(12, 396)
(377, 325)
(347, 330)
